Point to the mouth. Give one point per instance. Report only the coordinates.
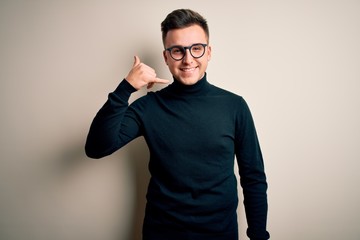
(188, 69)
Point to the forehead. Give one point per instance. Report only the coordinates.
(186, 36)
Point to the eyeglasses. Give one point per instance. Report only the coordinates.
(196, 50)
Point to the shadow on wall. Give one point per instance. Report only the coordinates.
(138, 159)
(135, 158)
(137, 151)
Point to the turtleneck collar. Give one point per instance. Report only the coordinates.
(199, 88)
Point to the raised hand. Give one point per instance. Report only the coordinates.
(142, 75)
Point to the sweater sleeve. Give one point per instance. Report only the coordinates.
(112, 127)
(252, 175)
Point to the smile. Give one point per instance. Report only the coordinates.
(188, 69)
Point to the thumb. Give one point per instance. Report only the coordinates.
(136, 61)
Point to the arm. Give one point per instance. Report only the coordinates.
(112, 128)
(252, 175)
(106, 134)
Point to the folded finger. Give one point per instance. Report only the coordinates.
(150, 85)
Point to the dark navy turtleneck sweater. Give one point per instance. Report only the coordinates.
(193, 134)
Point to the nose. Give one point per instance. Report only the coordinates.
(188, 58)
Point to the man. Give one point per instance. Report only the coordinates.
(193, 130)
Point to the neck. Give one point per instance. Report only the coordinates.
(195, 89)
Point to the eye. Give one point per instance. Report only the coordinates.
(197, 48)
(176, 50)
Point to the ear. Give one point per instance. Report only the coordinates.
(165, 57)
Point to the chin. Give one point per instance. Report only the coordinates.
(189, 81)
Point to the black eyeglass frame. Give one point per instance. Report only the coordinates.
(184, 50)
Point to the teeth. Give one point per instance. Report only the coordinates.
(187, 69)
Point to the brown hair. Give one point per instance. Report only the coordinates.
(182, 18)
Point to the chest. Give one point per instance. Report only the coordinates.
(190, 125)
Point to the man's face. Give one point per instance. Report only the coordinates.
(189, 70)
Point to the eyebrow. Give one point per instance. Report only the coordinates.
(185, 46)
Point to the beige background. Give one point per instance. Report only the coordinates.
(297, 63)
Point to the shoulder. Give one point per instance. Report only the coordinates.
(236, 102)
(142, 103)
(221, 92)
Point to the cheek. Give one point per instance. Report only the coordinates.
(171, 64)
